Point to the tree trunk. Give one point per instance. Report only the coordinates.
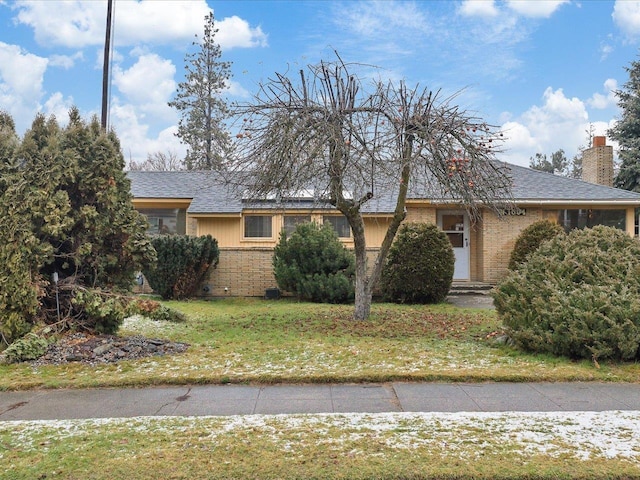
(363, 289)
(364, 297)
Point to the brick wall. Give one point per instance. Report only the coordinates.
(597, 163)
(247, 272)
(244, 272)
(499, 237)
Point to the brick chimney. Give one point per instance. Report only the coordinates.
(597, 163)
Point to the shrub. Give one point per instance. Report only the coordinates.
(314, 265)
(578, 295)
(104, 312)
(530, 239)
(419, 268)
(181, 265)
(65, 213)
(28, 347)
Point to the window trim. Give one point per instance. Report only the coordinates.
(324, 221)
(307, 216)
(245, 217)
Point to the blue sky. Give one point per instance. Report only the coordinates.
(544, 71)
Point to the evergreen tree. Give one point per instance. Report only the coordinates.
(70, 239)
(558, 164)
(627, 131)
(199, 101)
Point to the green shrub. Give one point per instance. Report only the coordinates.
(65, 213)
(578, 295)
(28, 347)
(419, 268)
(530, 239)
(182, 262)
(314, 265)
(102, 312)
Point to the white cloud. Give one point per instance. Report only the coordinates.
(59, 107)
(78, 23)
(21, 83)
(372, 18)
(626, 15)
(235, 89)
(135, 137)
(605, 51)
(233, 32)
(478, 8)
(608, 99)
(560, 123)
(21, 72)
(148, 84)
(71, 24)
(166, 22)
(535, 8)
(65, 61)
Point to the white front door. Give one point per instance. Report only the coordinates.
(456, 225)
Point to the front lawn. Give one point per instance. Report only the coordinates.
(284, 341)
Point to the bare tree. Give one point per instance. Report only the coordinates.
(159, 161)
(326, 133)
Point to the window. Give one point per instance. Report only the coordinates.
(340, 224)
(166, 220)
(453, 226)
(587, 218)
(257, 226)
(290, 222)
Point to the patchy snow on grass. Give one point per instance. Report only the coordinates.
(581, 435)
(141, 325)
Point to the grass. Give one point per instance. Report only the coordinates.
(256, 341)
(356, 446)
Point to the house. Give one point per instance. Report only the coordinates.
(198, 203)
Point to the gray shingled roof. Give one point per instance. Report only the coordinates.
(533, 185)
(210, 194)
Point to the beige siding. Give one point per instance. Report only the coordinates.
(375, 229)
(226, 230)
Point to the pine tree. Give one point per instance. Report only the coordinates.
(627, 131)
(558, 165)
(201, 104)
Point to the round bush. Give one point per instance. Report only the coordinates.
(578, 295)
(313, 264)
(419, 267)
(530, 239)
(182, 264)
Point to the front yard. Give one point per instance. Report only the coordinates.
(285, 341)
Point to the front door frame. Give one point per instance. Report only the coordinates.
(462, 270)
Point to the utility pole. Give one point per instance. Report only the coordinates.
(105, 68)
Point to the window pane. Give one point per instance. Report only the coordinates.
(340, 224)
(290, 222)
(165, 220)
(257, 226)
(456, 239)
(453, 223)
(588, 218)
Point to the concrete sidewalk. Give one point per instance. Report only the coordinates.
(286, 399)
